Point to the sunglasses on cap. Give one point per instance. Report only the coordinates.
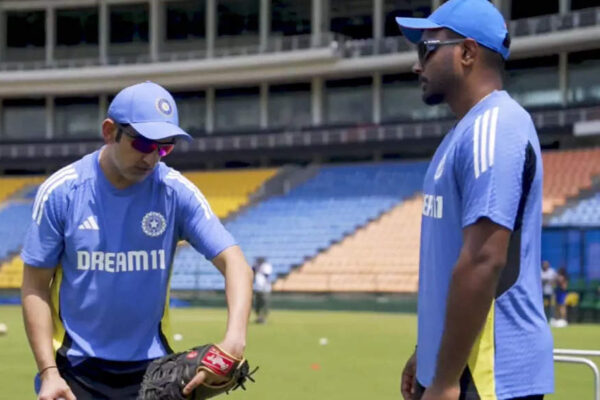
(144, 145)
(427, 47)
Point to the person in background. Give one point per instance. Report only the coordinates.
(262, 289)
(548, 283)
(562, 282)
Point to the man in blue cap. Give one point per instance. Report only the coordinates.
(482, 333)
(99, 251)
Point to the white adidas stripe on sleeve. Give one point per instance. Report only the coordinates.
(493, 125)
(50, 181)
(197, 193)
(476, 146)
(62, 176)
(484, 141)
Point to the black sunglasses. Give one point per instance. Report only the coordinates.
(426, 47)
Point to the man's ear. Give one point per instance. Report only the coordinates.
(109, 131)
(470, 52)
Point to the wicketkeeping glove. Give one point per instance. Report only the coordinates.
(166, 377)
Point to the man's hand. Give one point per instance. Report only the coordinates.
(448, 393)
(233, 347)
(409, 378)
(54, 387)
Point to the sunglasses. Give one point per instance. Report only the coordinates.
(144, 145)
(427, 47)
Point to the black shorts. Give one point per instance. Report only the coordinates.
(469, 392)
(96, 379)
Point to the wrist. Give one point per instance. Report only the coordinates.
(440, 385)
(234, 344)
(48, 371)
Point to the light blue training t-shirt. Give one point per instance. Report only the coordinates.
(114, 253)
(488, 166)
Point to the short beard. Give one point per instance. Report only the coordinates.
(433, 99)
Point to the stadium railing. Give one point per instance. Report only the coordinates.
(555, 22)
(518, 28)
(277, 44)
(579, 357)
(547, 119)
(344, 46)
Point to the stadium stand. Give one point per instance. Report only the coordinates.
(567, 173)
(11, 273)
(9, 186)
(15, 214)
(14, 218)
(586, 212)
(227, 191)
(310, 219)
(381, 257)
(291, 228)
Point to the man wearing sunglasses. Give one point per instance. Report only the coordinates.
(481, 327)
(98, 256)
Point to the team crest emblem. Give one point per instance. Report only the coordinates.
(164, 106)
(154, 224)
(440, 169)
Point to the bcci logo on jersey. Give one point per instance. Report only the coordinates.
(154, 224)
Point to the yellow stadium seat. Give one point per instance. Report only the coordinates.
(227, 191)
(10, 185)
(11, 273)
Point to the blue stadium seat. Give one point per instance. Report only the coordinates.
(585, 212)
(291, 228)
(14, 221)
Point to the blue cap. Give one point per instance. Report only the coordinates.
(475, 19)
(149, 109)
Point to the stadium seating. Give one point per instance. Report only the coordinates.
(567, 173)
(294, 227)
(315, 224)
(381, 257)
(9, 186)
(227, 191)
(11, 273)
(585, 212)
(14, 220)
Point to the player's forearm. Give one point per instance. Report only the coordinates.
(472, 290)
(238, 288)
(38, 325)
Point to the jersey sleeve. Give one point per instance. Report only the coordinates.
(198, 224)
(490, 168)
(44, 241)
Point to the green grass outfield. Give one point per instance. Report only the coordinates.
(362, 359)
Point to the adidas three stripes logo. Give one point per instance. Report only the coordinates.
(89, 224)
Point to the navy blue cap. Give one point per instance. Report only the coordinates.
(475, 19)
(149, 109)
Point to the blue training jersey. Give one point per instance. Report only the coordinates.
(488, 166)
(114, 250)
